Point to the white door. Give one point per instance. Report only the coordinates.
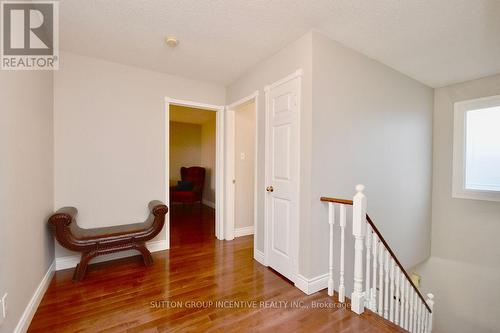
(282, 175)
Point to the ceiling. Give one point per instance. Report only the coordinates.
(437, 42)
(184, 114)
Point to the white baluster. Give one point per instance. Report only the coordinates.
(424, 319)
(373, 300)
(415, 312)
(391, 295)
(359, 231)
(412, 296)
(397, 305)
(430, 302)
(331, 222)
(419, 316)
(381, 280)
(368, 291)
(403, 301)
(407, 303)
(343, 218)
(386, 284)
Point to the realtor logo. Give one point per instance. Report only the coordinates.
(30, 35)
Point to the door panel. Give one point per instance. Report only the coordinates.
(281, 139)
(281, 226)
(282, 176)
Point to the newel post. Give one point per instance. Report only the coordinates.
(359, 232)
(430, 302)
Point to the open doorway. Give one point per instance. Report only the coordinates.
(192, 171)
(241, 167)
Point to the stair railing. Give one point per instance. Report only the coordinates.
(384, 287)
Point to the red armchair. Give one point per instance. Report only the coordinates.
(195, 175)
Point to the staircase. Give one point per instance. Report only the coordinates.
(383, 286)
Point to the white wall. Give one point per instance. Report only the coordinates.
(26, 190)
(208, 147)
(185, 148)
(295, 56)
(110, 137)
(244, 119)
(361, 122)
(371, 126)
(466, 294)
(464, 270)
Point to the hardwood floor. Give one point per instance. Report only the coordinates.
(125, 296)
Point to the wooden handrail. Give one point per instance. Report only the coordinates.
(382, 239)
(335, 200)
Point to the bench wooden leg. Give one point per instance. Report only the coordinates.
(146, 255)
(81, 268)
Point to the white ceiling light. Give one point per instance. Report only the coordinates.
(171, 41)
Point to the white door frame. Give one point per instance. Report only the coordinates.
(230, 166)
(219, 161)
(267, 237)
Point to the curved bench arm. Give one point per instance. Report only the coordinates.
(60, 223)
(63, 215)
(157, 208)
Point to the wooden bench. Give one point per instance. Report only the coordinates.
(95, 242)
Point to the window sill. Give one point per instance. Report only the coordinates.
(476, 195)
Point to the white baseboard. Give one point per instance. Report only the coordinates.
(208, 203)
(155, 246)
(245, 231)
(259, 256)
(72, 261)
(310, 286)
(30, 310)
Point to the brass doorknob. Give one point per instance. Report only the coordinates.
(269, 189)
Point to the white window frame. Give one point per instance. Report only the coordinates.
(459, 147)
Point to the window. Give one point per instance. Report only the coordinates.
(476, 149)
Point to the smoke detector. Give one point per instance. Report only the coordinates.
(171, 41)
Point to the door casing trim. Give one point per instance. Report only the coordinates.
(230, 168)
(219, 161)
